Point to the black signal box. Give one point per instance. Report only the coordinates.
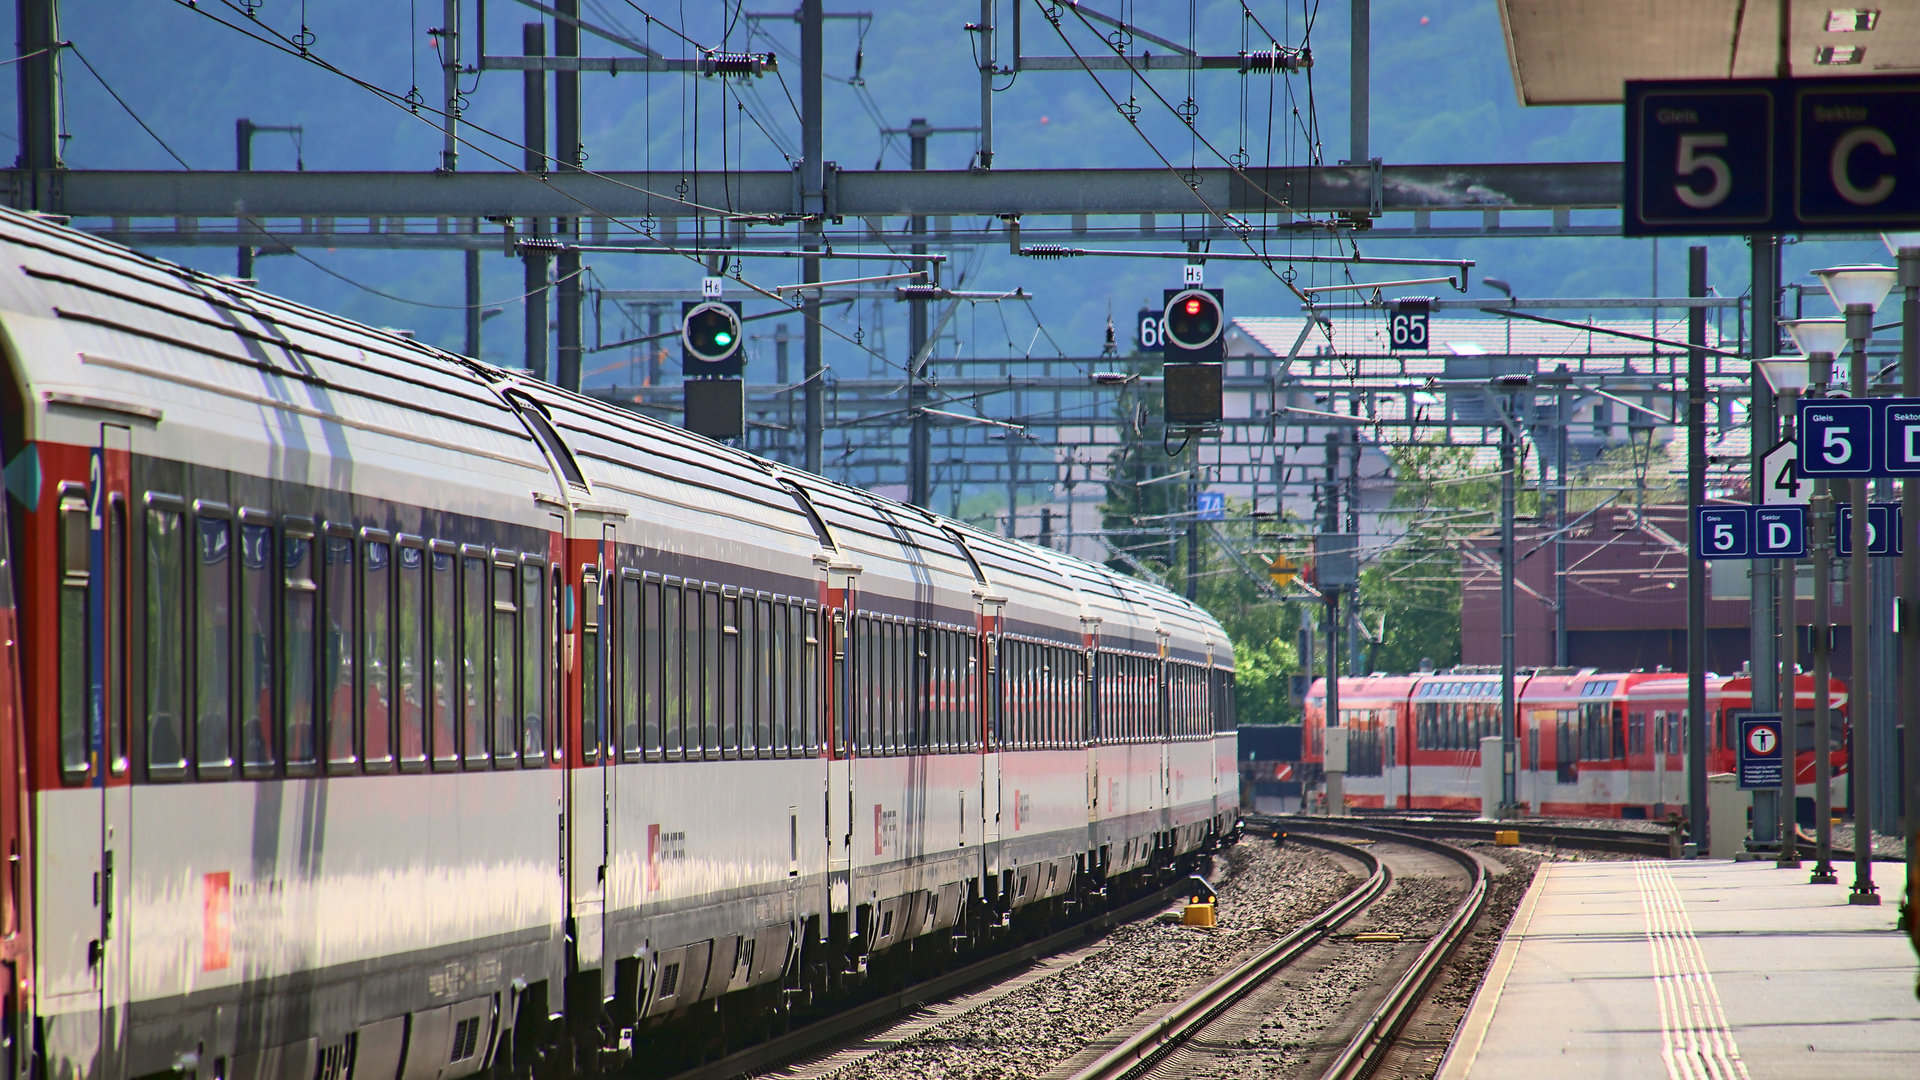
(1191, 394)
(716, 408)
(1193, 326)
(711, 341)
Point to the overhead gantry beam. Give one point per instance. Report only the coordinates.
(1304, 192)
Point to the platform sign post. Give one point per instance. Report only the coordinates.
(1779, 532)
(1761, 751)
(1836, 437)
(1723, 532)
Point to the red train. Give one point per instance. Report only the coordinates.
(1590, 743)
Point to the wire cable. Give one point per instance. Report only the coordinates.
(75, 49)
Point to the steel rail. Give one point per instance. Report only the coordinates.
(1147, 1046)
(1363, 1052)
(823, 1032)
(1540, 833)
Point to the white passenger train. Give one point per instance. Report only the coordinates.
(372, 713)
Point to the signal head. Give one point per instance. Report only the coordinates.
(1193, 319)
(710, 333)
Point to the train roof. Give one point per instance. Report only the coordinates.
(93, 328)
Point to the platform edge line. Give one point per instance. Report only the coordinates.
(1472, 1032)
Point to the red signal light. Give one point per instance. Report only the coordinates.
(1193, 307)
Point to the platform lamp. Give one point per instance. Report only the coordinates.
(1858, 292)
(1788, 376)
(1905, 248)
(1820, 339)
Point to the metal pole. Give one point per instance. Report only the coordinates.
(985, 160)
(533, 42)
(1822, 633)
(1788, 685)
(1508, 465)
(920, 437)
(566, 122)
(781, 376)
(39, 92)
(1360, 80)
(1698, 824)
(1193, 526)
(813, 200)
(473, 298)
(243, 162)
(1860, 605)
(1764, 682)
(1336, 781)
(450, 83)
(1908, 626)
(1562, 653)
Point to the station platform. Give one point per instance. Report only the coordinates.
(1696, 971)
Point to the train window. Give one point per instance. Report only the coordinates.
(411, 652)
(778, 672)
(166, 641)
(376, 638)
(709, 667)
(537, 633)
(506, 729)
(474, 698)
(1676, 732)
(674, 637)
(256, 648)
(807, 685)
(766, 675)
(900, 732)
(445, 677)
(213, 644)
(652, 680)
(592, 686)
(75, 541)
(1565, 749)
(337, 648)
(298, 630)
(1637, 733)
(627, 715)
(115, 545)
(866, 647)
(745, 688)
(727, 653)
(1618, 727)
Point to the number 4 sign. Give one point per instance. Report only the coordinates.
(1784, 485)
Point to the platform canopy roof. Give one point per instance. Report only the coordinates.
(1579, 52)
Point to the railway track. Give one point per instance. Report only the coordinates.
(1237, 999)
(849, 1023)
(1550, 834)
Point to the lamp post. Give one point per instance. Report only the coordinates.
(1819, 338)
(1858, 291)
(1905, 248)
(1787, 376)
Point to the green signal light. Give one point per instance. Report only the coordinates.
(723, 338)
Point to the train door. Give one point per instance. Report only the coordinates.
(83, 827)
(1390, 763)
(15, 949)
(587, 777)
(113, 492)
(1163, 729)
(989, 719)
(838, 706)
